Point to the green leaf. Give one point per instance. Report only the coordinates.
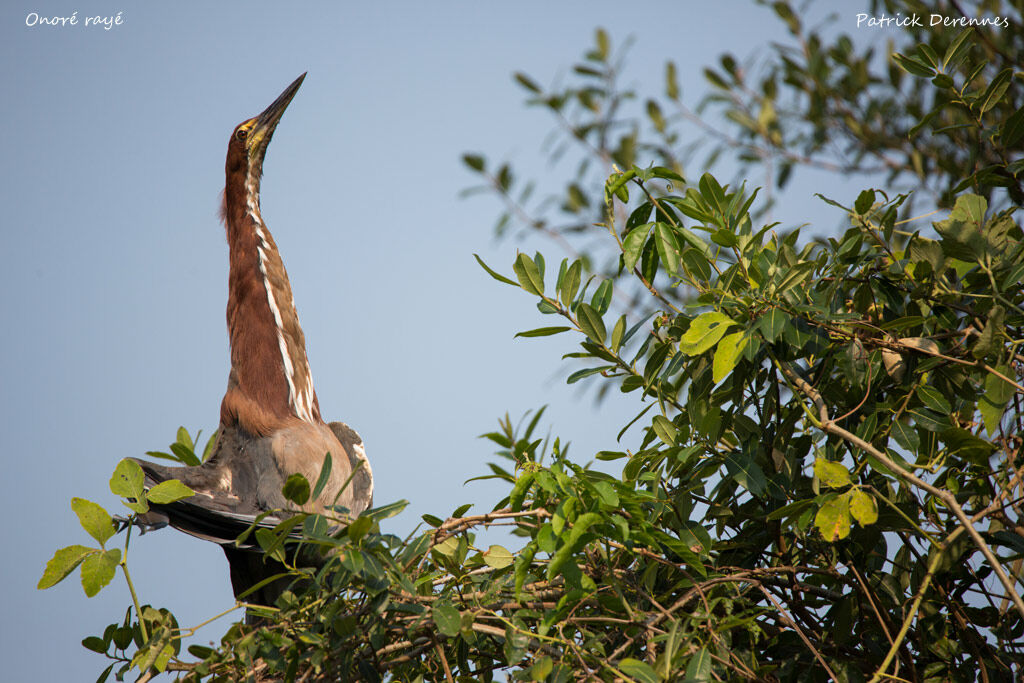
(528, 275)
(772, 322)
(957, 49)
(671, 81)
(724, 238)
(831, 474)
(185, 439)
(696, 265)
(168, 492)
(296, 489)
(591, 323)
(128, 480)
(705, 331)
(582, 374)
(633, 244)
(638, 671)
(863, 507)
(913, 66)
(94, 519)
(996, 89)
(94, 644)
(699, 668)
(447, 618)
(993, 328)
(1013, 128)
(864, 202)
(325, 476)
(496, 276)
(602, 298)
(571, 282)
(571, 540)
(541, 669)
(727, 354)
(498, 557)
(833, 519)
(746, 472)
(63, 563)
(669, 249)
(448, 547)
(997, 394)
(474, 161)
(543, 332)
(526, 82)
(359, 528)
(618, 333)
(184, 454)
(98, 570)
(665, 430)
(934, 399)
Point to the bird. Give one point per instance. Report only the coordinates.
(270, 425)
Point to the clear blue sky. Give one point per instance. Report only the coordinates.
(115, 263)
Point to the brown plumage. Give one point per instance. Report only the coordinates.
(270, 423)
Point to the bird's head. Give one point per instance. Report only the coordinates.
(250, 138)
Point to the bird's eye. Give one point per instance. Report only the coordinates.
(242, 134)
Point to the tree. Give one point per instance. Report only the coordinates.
(828, 482)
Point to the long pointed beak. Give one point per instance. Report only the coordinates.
(265, 123)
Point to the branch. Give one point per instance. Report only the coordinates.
(830, 427)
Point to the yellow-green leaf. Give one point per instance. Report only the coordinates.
(728, 354)
(704, 332)
(528, 274)
(498, 557)
(127, 480)
(863, 507)
(98, 570)
(94, 519)
(833, 519)
(168, 492)
(832, 474)
(63, 563)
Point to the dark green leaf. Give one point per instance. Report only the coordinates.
(996, 89)
(296, 489)
(772, 322)
(957, 49)
(1013, 128)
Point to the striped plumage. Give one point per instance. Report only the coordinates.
(270, 423)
